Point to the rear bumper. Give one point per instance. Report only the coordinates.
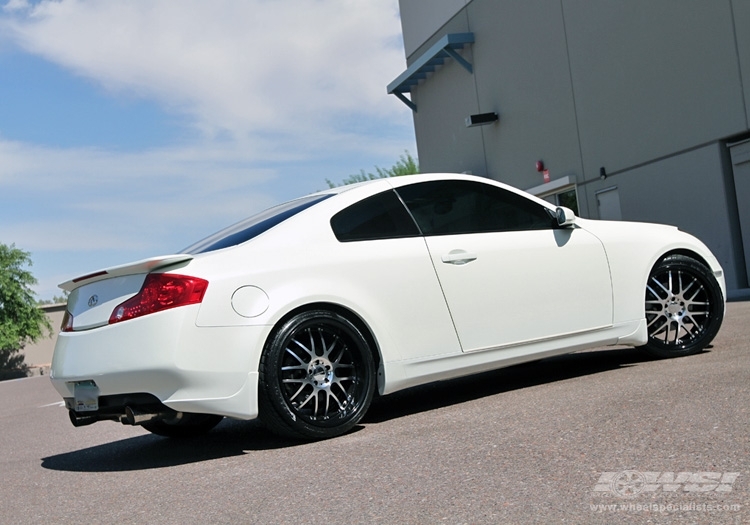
(210, 370)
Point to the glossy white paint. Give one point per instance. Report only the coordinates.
(93, 303)
(436, 307)
(143, 266)
(166, 355)
(249, 301)
(514, 289)
(633, 249)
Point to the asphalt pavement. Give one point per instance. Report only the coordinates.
(602, 436)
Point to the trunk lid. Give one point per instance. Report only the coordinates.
(93, 297)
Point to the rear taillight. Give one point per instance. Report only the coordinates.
(67, 322)
(161, 291)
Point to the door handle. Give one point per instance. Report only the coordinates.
(458, 257)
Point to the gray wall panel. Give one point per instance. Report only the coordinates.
(741, 10)
(448, 145)
(420, 19)
(443, 100)
(687, 191)
(649, 90)
(652, 78)
(522, 74)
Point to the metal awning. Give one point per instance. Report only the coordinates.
(444, 48)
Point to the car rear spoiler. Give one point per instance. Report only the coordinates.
(143, 266)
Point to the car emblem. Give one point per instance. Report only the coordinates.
(93, 300)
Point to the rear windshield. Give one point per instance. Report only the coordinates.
(245, 230)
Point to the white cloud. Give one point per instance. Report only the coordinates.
(110, 200)
(239, 67)
(16, 5)
(47, 168)
(275, 88)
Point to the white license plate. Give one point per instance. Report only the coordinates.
(86, 397)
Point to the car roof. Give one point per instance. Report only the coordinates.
(403, 180)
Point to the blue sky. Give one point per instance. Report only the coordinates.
(132, 129)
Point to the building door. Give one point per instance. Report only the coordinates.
(609, 204)
(741, 168)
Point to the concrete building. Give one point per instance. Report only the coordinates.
(38, 356)
(634, 110)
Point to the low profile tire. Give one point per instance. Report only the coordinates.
(684, 307)
(186, 425)
(317, 376)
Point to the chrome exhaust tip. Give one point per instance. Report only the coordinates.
(81, 421)
(135, 417)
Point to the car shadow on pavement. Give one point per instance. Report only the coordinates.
(455, 391)
(229, 438)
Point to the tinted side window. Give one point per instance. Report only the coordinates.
(381, 216)
(452, 207)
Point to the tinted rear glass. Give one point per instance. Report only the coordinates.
(252, 227)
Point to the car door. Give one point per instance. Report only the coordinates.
(509, 274)
(385, 266)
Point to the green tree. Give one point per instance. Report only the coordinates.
(21, 321)
(56, 299)
(406, 165)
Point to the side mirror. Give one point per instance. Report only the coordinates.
(565, 216)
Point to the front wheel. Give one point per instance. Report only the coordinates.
(684, 307)
(317, 376)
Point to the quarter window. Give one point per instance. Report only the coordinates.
(381, 216)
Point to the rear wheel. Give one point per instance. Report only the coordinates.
(684, 307)
(183, 425)
(317, 376)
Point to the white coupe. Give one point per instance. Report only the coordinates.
(299, 314)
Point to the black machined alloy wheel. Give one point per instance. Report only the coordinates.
(317, 376)
(684, 307)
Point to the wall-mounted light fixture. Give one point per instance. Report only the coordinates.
(481, 119)
(602, 173)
